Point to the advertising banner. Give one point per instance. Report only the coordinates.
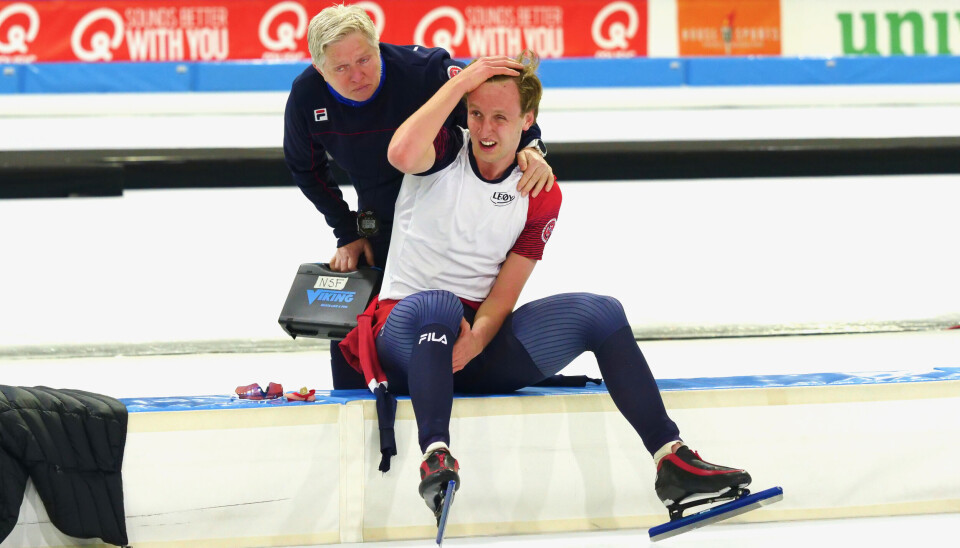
(117, 31)
(728, 27)
(211, 30)
(871, 27)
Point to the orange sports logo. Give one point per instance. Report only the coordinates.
(728, 27)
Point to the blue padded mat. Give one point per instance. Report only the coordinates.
(195, 403)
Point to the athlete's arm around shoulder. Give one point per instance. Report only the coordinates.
(411, 149)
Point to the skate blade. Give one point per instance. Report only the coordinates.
(728, 510)
(445, 512)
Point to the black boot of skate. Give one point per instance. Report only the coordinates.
(436, 471)
(684, 481)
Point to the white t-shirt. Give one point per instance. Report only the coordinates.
(452, 229)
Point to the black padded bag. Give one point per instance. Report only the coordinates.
(325, 304)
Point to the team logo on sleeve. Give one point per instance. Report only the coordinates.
(320, 115)
(453, 70)
(548, 230)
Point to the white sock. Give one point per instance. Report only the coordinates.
(433, 447)
(664, 451)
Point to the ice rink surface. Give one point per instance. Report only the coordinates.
(930, 530)
(84, 279)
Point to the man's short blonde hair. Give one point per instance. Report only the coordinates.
(333, 24)
(528, 83)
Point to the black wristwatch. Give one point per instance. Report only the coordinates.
(539, 145)
(367, 224)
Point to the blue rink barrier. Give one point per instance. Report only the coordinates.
(556, 73)
(200, 403)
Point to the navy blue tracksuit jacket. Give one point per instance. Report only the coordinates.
(319, 121)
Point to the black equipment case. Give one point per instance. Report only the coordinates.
(325, 304)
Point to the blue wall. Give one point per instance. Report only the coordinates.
(579, 73)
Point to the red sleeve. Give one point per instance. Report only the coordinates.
(446, 145)
(542, 213)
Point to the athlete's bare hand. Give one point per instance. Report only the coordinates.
(467, 347)
(537, 173)
(484, 68)
(347, 257)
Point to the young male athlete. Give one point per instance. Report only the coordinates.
(464, 244)
(348, 104)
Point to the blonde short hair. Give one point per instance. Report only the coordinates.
(333, 24)
(528, 83)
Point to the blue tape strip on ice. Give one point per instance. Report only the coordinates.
(204, 403)
(715, 514)
(811, 379)
(197, 403)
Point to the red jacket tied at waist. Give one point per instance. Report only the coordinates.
(360, 348)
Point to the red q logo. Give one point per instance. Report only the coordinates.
(107, 35)
(291, 27)
(442, 37)
(616, 34)
(453, 70)
(18, 36)
(548, 230)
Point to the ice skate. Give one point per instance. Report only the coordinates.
(437, 470)
(686, 481)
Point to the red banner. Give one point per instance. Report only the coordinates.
(197, 30)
